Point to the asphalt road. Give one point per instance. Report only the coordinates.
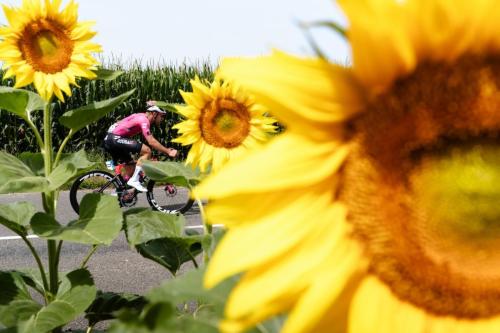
(115, 268)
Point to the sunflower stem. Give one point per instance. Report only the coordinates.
(207, 228)
(49, 199)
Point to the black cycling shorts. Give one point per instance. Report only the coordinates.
(121, 148)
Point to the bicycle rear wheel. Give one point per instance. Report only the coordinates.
(91, 182)
(167, 198)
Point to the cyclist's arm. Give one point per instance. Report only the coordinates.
(153, 143)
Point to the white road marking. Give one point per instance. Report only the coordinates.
(17, 237)
(201, 227)
(35, 236)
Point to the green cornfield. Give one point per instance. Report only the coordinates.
(152, 81)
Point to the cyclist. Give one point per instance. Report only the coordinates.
(119, 144)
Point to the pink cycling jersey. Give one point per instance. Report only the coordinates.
(131, 125)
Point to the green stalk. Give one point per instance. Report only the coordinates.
(58, 252)
(63, 145)
(49, 199)
(40, 265)
(37, 133)
(87, 257)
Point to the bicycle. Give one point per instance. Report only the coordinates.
(163, 197)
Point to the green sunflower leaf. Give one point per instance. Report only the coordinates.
(189, 287)
(172, 252)
(144, 225)
(75, 161)
(100, 222)
(34, 161)
(70, 166)
(20, 102)
(16, 216)
(107, 74)
(154, 318)
(17, 177)
(76, 293)
(106, 304)
(16, 303)
(79, 118)
(171, 172)
(170, 107)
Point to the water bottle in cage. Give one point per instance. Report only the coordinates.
(110, 165)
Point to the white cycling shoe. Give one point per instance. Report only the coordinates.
(137, 185)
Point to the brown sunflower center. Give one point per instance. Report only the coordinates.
(423, 187)
(224, 123)
(46, 46)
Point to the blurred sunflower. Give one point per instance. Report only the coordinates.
(377, 210)
(222, 122)
(47, 47)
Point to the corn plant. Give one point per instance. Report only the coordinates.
(152, 81)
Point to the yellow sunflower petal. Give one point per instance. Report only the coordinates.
(189, 125)
(87, 47)
(70, 14)
(219, 158)
(290, 159)
(188, 138)
(81, 59)
(449, 28)
(254, 141)
(446, 324)
(206, 155)
(10, 14)
(82, 31)
(39, 82)
(10, 53)
(76, 70)
(329, 95)
(298, 264)
(191, 99)
(292, 219)
(52, 7)
(9, 73)
(58, 93)
(201, 91)
(304, 268)
(61, 81)
(24, 77)
(346, 265)
(335, 319)
(49, 86)
(391, 315)
(70, 76)
(374, 21)
(260, 135)
(188, 111)
(229, 325)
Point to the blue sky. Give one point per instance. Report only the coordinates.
(196, 30)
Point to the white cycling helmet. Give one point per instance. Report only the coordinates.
(154, 108)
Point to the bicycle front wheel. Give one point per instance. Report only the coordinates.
(168, 198)
(91, 182)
